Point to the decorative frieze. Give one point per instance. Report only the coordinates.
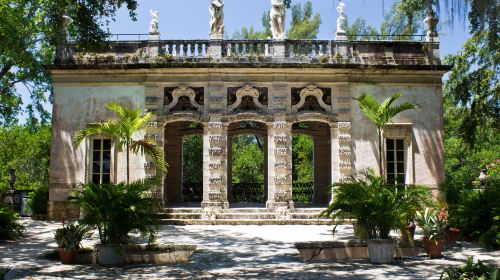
(279, 100)
(215, 196)
(281, 179)
(345, 138)
(345, 151)
(153, 111)
(345, 165)
(216, 180)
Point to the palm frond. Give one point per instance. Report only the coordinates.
(394, 110)
(370, 107)
(150, 148)
(107, 128)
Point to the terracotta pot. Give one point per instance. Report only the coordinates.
(452, 235)
(434, 248)
(68, 257)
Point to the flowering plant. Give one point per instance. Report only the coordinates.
(433, 223)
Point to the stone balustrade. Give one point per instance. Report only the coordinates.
(371, 52)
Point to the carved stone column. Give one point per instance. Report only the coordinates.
(214, 168)
(279, 147)
(334, 135)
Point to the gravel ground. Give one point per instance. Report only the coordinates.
(228, 252)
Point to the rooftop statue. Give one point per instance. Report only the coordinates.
(277, 14)
(342, 20)
(216, 10)
(155, 16)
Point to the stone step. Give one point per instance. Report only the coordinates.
(246, 222)
(181, 210)
(240, 210)
(180, 215)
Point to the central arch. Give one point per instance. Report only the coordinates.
(247, 181)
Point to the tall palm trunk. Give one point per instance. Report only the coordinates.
(380, 151)
(128, 163)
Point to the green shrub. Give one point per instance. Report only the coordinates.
(3, 272)
(38, 200)
(477, 213)
(9, 226)
(470, 271)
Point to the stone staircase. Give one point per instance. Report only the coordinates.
(242, 216)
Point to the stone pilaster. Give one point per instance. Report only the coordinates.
(279, 150)
(215, 49)
(154, 132)
(214, 167)
(342, 133)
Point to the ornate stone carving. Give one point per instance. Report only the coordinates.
(277, 14)
(216, 11)
(216, 180)
(279, 100)
(215, 124)
(189, 96)
(247, 97)
(282, 196)
(281, 179)
(151, 137)
(280, 165)
(345, 165)
(280, 124)
(281, 151)
(344, 138)
(215, 151)
(281, 138)
(345, 151)
(215, 165)
(311, 92)
(215, 138)
(152, 124)
(217, 196)
(344, 125)
(154, 112)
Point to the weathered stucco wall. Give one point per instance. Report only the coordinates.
(427, 129)
(80, 96)
(74, 107)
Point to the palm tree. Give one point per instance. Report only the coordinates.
(381, 114)
(122, 131)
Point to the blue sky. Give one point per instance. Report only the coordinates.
(188, 19)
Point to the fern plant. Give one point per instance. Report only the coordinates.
(470, 271)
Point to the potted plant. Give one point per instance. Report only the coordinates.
(434, 226)
(376, 205)
(415, 198)
(68, 239)
(116, 210)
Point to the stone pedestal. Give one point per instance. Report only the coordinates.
(279, 152)
(279, 49)
(215, 166)
(154, 44)
(215, 49)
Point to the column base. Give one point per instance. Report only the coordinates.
(58, 210)
(215, 204)
(271, 204)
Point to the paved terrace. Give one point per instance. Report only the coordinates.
(229, 252)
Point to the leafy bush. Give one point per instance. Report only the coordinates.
(470, 271)
(118, 209)
(38, 200)
(477, 213)
(9, 226)
(70, 236)
(376, 205)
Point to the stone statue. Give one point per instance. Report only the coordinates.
(66, 22)
(277, 14)
(216, 18)
(155, 16)
(342, 20)
(431, 22)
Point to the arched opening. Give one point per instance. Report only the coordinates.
(184, 155)
(247, 172)
(311, 163)
(192, 168)
(302, 168)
